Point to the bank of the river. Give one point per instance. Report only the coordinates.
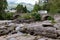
(33, 31)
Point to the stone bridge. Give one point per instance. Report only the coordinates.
(55, 16)
(44, 16)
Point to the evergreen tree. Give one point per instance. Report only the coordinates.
(36, 8)
(25, 9)
(19, 8)
(53, 6)
(3, 6)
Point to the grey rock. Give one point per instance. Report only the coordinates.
(47, 39)
(58, 32)
(57, 25)
(40, 30)
(47, 24)
(12, 39)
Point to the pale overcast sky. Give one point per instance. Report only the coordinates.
(26, 1)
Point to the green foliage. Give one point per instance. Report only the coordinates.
(8, 16)
(3, 6)
(58, 11)
(53, 21)
(21, 9)
(36, 16)
(25, 9)
(50, 18)
(1, 17)
(53, 6)
(36, 8)
(26, 16)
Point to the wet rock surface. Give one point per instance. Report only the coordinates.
(36, 29)
(32, 31)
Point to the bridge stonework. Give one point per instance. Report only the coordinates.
(45, 16)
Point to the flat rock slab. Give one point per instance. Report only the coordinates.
(17, 37)
(47, 39)
(35, 28)
(24, 37)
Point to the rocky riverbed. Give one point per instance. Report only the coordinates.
(44, 30)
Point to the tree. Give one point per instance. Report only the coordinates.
(53, 6)
(19, 8)
(3, 6)
(25, 9)
(36, 8)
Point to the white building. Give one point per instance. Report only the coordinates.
(42, 12)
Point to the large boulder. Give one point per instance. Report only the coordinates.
(3, 31)
(57, 25)
(47, 39)
(20, 37)
(36, 29)
(6, 29)
(47, 24)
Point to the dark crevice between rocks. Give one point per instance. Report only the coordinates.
(32, 33)
(47, 25)
(46, 17)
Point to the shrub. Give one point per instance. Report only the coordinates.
(50, 18)
(8, 16)
(36, 16)
(26, 16)
(53, 21)
(33, 16)
(1, 17)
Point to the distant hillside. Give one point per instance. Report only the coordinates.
(28, 5)
(13, 5)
